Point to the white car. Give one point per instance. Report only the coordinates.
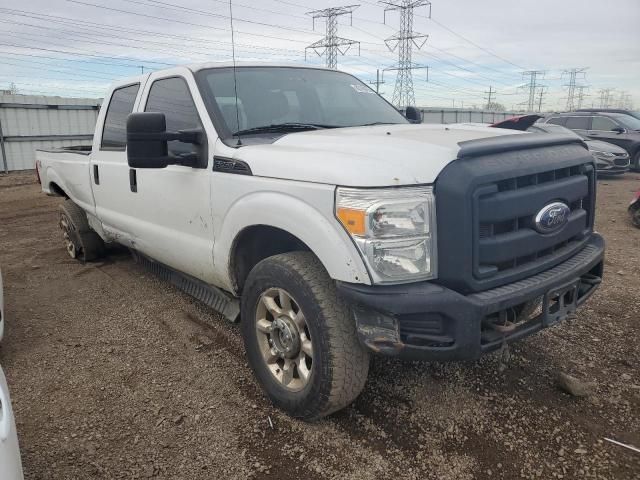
(10, 463)
(296, 200)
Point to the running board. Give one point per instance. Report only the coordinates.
(220, 301)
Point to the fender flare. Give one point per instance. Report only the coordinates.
(325, 238)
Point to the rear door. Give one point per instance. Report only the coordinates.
(173, 204)
(109, 170)
(579, 124)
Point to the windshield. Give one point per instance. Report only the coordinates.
(269, 96)
(627, 121)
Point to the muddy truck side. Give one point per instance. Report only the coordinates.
(311, 211)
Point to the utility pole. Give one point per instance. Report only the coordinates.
(404, 41)
(533, 86)
(332, 44)
(378, 81)
(490, 94)
(581, 95)
(541, 92)
(571, 86)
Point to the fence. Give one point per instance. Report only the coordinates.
(31, 122)
(451, 115)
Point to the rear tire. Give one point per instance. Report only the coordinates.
(635, 216)
(81, 242)
(336, 370)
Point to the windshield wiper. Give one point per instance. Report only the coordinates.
(376, 123)
(283, 127)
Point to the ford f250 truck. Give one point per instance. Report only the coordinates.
(299, 202)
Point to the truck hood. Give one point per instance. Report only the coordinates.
(381, 155)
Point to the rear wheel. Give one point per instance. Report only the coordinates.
(80, 241)
(299, 336)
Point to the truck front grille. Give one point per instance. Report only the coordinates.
(506, 237)
(486, 203)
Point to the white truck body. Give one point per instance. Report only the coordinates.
(435, 241)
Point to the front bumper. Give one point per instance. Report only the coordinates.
(425, 321)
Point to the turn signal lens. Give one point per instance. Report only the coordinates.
(353, 220)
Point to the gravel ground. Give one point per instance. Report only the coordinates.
(115, 374)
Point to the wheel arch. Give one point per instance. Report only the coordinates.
(270, 223)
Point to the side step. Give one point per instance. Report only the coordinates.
(217, 299)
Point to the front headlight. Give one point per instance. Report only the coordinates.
(602, 155)
(394, 229)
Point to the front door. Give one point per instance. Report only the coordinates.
(174, 202)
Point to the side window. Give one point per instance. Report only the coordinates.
(558, 120)
(578, 123)
(171, 96)
(114, 133)
(603, 123)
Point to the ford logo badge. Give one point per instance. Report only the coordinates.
(552, 217)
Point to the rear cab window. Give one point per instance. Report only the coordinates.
(557, 120)
(114, 132)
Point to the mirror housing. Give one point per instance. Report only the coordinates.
(413, 114)
(147, 139)
(618, 130)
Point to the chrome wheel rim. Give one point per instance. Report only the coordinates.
(65, 225)
(284, 339)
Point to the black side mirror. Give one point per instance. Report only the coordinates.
(413, 114)
(618, 130)
(147, 139)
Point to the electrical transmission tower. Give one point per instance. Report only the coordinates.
(378, 81)
(403, 42)
(606, 97)
(533, 86)
(573, 73)
(332, 44)
(624, 100)
(580, 95)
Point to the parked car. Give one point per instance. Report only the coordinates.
(633, 113)
(306, 209)
(610, 159)
(617, 128)
(634, 209)
(10, 463)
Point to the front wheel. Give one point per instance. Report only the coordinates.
(635, 164)
(299, 336)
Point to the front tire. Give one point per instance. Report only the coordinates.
(300, 338)
(80, 241)
(635, 165)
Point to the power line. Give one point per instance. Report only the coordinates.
(404, 41)
(331, 44)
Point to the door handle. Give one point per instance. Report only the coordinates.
(96, 175)
(133, 180)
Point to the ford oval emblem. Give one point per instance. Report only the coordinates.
(552, 217)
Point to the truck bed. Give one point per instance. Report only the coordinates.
(66, 171)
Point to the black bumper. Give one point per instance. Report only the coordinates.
(425, 321)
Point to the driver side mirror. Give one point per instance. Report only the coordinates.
(618, 130)
(147, 139)
(413, 114)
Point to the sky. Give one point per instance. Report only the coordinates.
(78, 47)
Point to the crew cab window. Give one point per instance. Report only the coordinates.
(558, 120)
(578, 123)
(114, 133)
(603, 123)
(171, 96)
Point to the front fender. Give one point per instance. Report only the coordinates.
(314, 225)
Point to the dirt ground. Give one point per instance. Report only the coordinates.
(115, 374)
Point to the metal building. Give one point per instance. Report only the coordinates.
(30, 122)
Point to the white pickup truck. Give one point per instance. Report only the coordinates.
(301, 203)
